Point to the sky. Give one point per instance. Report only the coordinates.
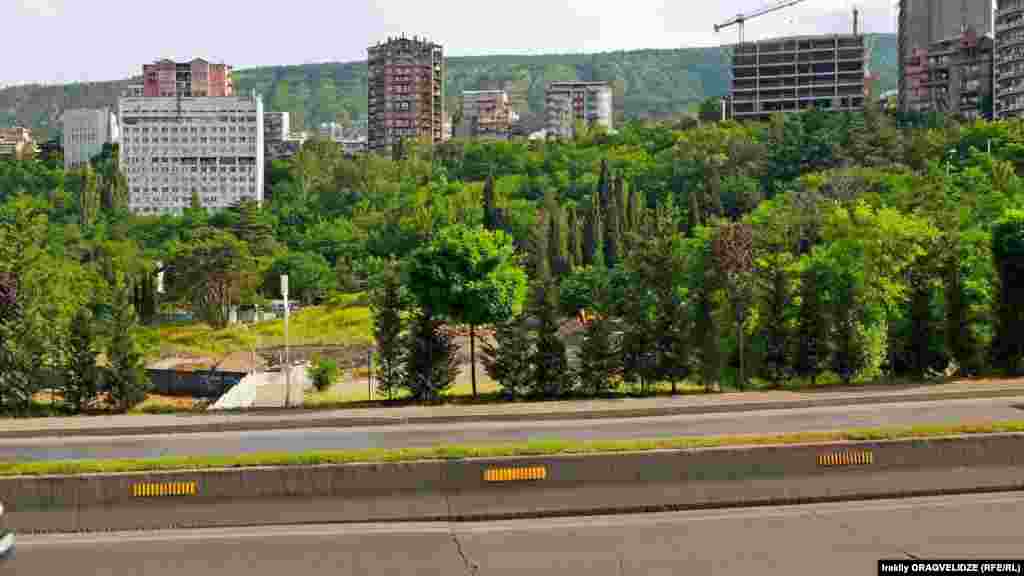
(75, 41)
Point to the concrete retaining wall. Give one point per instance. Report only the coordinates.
(458, 490)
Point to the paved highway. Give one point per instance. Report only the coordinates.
(834, 539)
(765, 421)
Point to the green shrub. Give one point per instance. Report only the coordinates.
(324, 372)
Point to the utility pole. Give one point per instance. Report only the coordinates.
(287, 357)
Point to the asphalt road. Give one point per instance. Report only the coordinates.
(835, 539)
(766, 421)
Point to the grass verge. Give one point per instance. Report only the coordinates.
(455, 452)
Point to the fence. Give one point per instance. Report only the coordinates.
(206, 384)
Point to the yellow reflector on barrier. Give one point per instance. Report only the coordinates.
(847, 458)
(147, 489)
(515, 474)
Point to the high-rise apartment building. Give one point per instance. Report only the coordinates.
(175, 146)
(953, 76)
(486, 114)
(798, 73)
(195, 79)
(84, 134)
(406, 92)
(926, 22)
(1009, 58)
(567, 102)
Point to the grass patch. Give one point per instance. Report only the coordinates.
(457, 452)
(346, 320)
(157, 404)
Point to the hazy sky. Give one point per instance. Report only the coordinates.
(72, 40)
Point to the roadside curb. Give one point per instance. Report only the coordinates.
(293, 423)
(476, 489)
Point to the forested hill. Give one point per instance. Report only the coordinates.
(650, 83)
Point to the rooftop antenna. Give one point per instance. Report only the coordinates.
(856, 15)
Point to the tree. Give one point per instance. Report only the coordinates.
(490, 209)
(470, 276)
(430, 362)
(812, 324)
(711, 109)
(575, 239)
(88, 197)
(1008, 254)
(210, 272)
(656, 318)
(388, 327)
(600, 361)
(733, 249)
(126, 373)
(509, 358)
(254, 228)
(550, 361)
(81, 373)
(310, 277)
(593, 234)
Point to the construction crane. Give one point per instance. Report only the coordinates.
(741, 18)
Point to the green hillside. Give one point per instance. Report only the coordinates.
(649, 83)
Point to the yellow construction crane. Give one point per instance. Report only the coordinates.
(741, 18)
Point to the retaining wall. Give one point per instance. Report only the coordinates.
(513, 487)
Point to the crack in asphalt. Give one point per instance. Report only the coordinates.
(472, 568)
(853, 532)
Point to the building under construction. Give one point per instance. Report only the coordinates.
(486, 114)
(1009, 59)
(924, 24)
(406, 92)
(798, 73)
(951, 76)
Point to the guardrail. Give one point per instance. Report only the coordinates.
(515, 487)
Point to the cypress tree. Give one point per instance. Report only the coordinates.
(387, 331)
(490, 215)
(603, 183)
(430, 361)
(81, 374)
(575, 237)
(550, 360)
(593, 242)
(509, 359)
(706, 333)
(600, 361)
(776, 360)
(961, 340)
(612, 243)
(811, 325)
(693, 215)
(126, 371)
(1008, 253)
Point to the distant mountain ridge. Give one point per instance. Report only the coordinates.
(649, 83)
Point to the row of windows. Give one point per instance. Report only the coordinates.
(193, 140)
(188, 130)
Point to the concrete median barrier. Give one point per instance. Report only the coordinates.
(514, 487)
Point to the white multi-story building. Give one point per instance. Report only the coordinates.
(276, 126)
(567, 102)
(172, 147)
(85, 133)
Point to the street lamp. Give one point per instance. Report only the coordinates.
(287, 361)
